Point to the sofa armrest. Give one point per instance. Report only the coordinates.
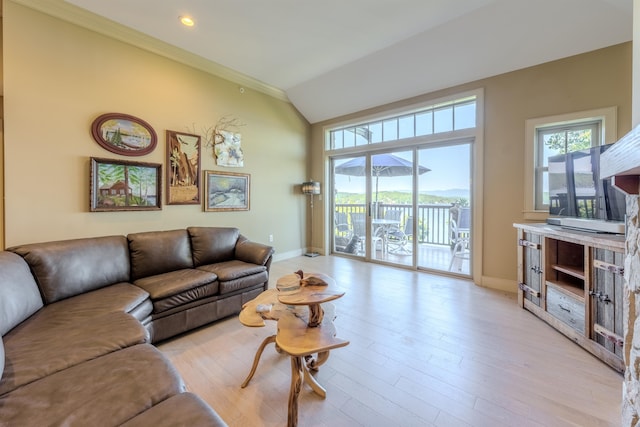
(1, 357)
(253, 252)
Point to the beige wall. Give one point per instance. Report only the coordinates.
(58, 77)
(594, 80)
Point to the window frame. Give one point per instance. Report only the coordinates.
(389, 124)
(608, 135)
(473, 134)
(540, 168)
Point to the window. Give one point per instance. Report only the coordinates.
(554, 140)
(550, 136)
(442, 140)
(443, 117)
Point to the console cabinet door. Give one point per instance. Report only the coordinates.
(530, 271)
(606, 300)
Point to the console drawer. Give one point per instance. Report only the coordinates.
(565, 308)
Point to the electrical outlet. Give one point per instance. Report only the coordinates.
(270, 238)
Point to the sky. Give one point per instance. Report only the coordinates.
(450, 169)
(449, 166)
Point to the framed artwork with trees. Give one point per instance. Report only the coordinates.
(124, 134)
(120, 185)
(183, 168)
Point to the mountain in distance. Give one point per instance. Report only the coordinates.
(404, 196)
(451, 192)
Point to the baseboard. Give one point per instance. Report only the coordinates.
(287, 255)
(504, 285)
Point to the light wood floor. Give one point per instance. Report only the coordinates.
(424, 350)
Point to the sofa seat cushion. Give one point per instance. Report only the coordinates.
(232, 270)
(176, 288)
(243, 283)
(47, 343)
(187, 409)
(108, 390)
(234, 275)
(121, 297)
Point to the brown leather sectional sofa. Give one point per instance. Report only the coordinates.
(78, 319)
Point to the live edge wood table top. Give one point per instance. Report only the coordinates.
(304, 328)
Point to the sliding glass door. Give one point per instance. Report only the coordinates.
(388, 209)
(350, 205)
(374, 206)
(445, 207)
(392, 195)
(403, 184)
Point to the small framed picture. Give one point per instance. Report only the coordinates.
(226, 191)
(120, 185)
(183, 168)
(124, 134)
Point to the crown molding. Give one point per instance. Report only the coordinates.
(85, 19)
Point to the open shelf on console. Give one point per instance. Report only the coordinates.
(577, 272)
(565, 263)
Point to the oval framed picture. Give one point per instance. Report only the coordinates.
(124, 134)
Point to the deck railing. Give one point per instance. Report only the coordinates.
(433, 219)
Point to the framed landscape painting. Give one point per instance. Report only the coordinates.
(183, 168)
(120, 185)
(226, 191)
(124, 134)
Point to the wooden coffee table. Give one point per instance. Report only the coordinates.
(305, 328)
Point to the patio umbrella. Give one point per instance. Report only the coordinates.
(382, 165)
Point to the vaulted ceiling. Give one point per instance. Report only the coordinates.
(334, 57)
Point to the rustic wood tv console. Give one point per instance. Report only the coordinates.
(573, 280)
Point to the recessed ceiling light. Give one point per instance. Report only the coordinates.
(187, 21)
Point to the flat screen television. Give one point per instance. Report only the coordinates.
(576, 191)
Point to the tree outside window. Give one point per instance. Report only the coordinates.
(555, 140)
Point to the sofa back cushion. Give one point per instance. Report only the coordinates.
(19, 294)
(71, 267)
(157, 252)
(213, 244)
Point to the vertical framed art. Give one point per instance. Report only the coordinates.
(183, 168)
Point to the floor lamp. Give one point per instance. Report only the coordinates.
(311, 188)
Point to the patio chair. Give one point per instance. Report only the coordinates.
(400, 240)
(342, 231)
(394, 214)
(341, 223)
(460, 232)
(358, 222)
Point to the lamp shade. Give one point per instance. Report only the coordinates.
(311, 187)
